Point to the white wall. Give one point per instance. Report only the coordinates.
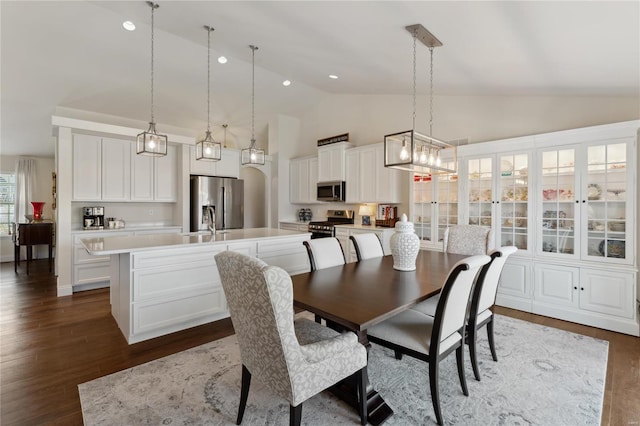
(41, 192)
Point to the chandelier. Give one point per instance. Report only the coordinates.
(252, 155)
(413, 151)
(150, 142)
(207, 148)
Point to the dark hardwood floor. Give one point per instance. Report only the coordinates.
(49, 345)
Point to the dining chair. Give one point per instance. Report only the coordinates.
(468, 239)
(294, 358)
(324, 253)
(367, 246)
(431, 339)
(482, 300)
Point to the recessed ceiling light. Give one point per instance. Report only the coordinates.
(222, 60)
(333, 76)
(286, 83)
(129, 26)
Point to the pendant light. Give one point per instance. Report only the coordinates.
(207, 148)
(150, 142)
(413, 151)
(252, 155)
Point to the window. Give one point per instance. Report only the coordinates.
(7, 201)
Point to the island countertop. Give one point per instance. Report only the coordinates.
(128, 244)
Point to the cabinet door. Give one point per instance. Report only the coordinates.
(368, 178)
(557, 215)
(295, 184)
(87, 168)
(480, 191)
(331, 162)
(387, 180)
(424, 201)
(514, 289)
(607, 292)
(556, 285)
(312, 192)
(141, 176)
(352, 176)
(166, 175)
(607, 210)
(513, 207)
(116, 170)
(446, 203)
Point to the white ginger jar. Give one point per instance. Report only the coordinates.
(405, 245)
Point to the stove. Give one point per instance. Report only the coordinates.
(326, 228)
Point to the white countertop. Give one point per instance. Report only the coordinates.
(361, 226)
(115, 245)
(127, 228)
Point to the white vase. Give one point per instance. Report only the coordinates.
(405, 245)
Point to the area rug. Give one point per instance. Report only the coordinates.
(544, 376)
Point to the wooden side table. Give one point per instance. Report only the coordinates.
(29, 235)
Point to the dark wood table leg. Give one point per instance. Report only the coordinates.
(377, 409)
(29, 256)
(16, 257)
(50, 255)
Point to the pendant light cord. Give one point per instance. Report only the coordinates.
(415, 36)
(253, 91)
(431, 91)
(209, 29)
(153, 7)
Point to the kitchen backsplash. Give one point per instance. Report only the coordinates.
(157, 214)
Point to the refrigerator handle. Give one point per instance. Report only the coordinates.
(224, 208)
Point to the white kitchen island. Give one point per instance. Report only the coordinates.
(163, 283)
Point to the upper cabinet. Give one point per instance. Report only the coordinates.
(106, 169)
(228, 166)
(367, 180)
(303, 178)
(331, 162)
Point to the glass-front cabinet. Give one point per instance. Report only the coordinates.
(434, 206)
(584, 211)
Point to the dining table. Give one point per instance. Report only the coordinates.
(356, 296)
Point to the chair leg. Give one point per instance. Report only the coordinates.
(398, 354)
(244, 393)
(435, 396)
(295, 415)
(318, 319)
(362, 395)
(460, 362)
(471, 340)
(492, 345)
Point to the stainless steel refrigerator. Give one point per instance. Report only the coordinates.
(225, 195)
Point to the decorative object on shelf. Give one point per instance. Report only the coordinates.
(405, 245)
(252, 155)
(366, 212)
(413, 151)
(207, 148)
(594, 191)
(617, 226)
(616, 193)
(615, 248)
(37, 210)
(506, 168)
(150, 142)
(387, 216)
(334, 139)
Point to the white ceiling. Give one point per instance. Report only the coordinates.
(62, 56)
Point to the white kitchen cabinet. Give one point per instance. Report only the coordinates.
(87, 168)
(290, 255)
(116, 169)
(155, 178)
(227, 166)
(331, 162)
(367, 180)
(295, 226)
(89, 271)
(303, 180)
(515, 287)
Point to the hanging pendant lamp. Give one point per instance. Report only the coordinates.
(414, 151)
(207, 148)
(150, 142)
(252, 155)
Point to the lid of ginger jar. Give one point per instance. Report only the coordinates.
(403, 225)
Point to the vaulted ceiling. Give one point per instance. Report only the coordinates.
(61, 57)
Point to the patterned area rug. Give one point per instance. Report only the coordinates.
(544, 376)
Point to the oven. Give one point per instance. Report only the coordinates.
(326, 228)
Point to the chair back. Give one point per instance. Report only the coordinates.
(468, 239)
(367, 246)
(260, 300)
(452, 307)
(324, 253)
(487, 286)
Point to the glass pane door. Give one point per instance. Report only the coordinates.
(480, 191)
(514, 200)
(423, 206)
(558, 202)
(606, 195)
(447, 200)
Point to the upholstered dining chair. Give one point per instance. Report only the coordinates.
(367, 246)
(468, 239)
(482, 300)
(432, 339)
(324, 253)
(296, 359)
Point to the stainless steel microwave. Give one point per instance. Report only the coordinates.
(331, 191)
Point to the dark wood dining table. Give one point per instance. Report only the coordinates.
(359, 295)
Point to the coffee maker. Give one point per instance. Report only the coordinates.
(93, 217)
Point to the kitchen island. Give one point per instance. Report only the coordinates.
(163, 283)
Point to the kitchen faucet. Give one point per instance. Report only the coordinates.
(212, 219)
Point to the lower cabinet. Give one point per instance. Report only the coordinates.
(290, 255)
(603, 298)
(295, 226)
(515, 289)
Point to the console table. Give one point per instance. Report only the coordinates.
(29, 235)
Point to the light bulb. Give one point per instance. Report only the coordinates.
(207, 150)
(253, 156)
(152, 143)
(438, 161)
(404, 154)
(431, 159)
(423, 156)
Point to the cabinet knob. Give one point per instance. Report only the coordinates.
(582, 288)
(577, 201)
(575, 287)
(584, 201)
